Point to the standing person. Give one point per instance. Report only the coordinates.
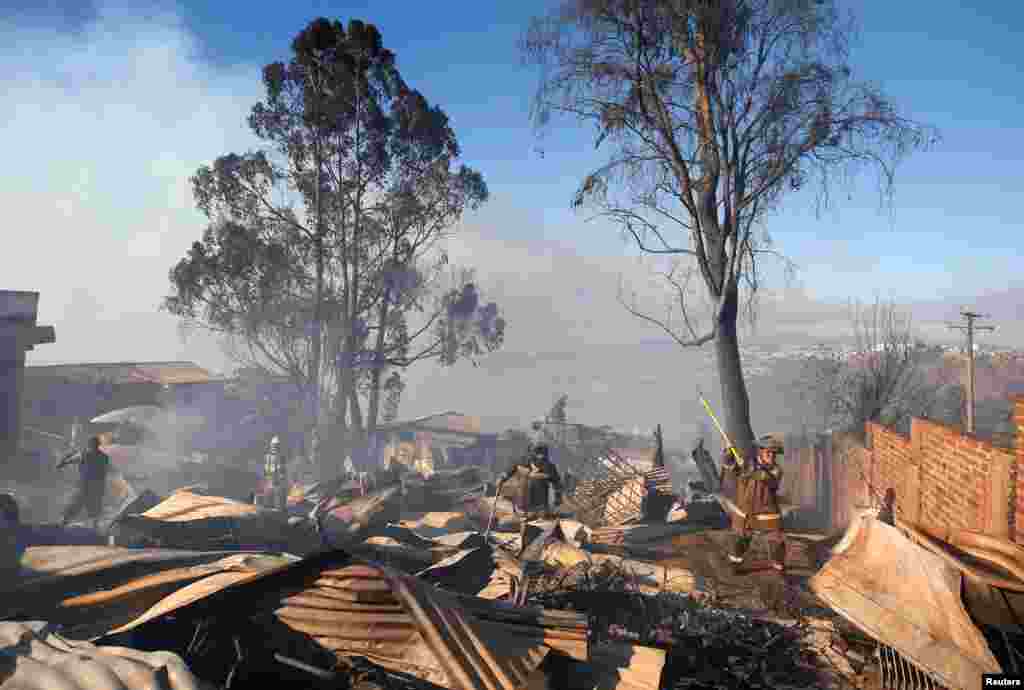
(276, 476)
(77, 431)
(93, 465)
(536, 432)
(757, 499)
(705, 465)
(536, 475)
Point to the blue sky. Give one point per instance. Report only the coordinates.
(109, 109)
(955, 228)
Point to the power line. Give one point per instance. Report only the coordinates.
(970, 327)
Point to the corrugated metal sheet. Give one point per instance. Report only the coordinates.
(403, 624)
(907, 598)
(641, 458)
(660, 480)
(993, 569)
(345, 521)
(625, 504)
(189, 520)
(169, 375)
(91, 590)
(444, 422)
(392, 619)
(610, 490)
(187, 505)
(505, 518)
(35, 658)
(628, 667)
(125, 372)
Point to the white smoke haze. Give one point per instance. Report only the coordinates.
(100, 139)
(103, 137)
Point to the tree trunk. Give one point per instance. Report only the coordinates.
(315, 351)
(735, 400)
(356, 414)
(341, 395)
(373, 406)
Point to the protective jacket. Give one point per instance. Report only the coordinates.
(533, 477)
(757, 495)
(273, 467)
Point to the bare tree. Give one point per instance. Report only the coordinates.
(885, 378)
(715, 110)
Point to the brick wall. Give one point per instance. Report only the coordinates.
(941, 476)
(1018, 422)
(891, 452)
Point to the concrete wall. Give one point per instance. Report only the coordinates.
(18, 334)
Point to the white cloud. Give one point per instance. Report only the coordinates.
(103, 133)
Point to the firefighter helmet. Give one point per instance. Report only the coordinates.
(772, 442)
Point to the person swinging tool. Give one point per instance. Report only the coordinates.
(757, 494)
(757, 500)
(93, 466)
(536, 475)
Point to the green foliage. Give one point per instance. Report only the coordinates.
(321, 257)
(468, 329)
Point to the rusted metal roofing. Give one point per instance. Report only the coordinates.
(185, 505)
(610, 491)
(40, 659)
(176, 373)
(641, 458)
(390, 618)
(346, 521)
(90, 590)
(907, 598)
(190, 520)
(453, 423)
(124, 372)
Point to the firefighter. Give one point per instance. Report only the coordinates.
(702, 460)
(275, 475)
(536, 475)
(757, 498)
(93, 465)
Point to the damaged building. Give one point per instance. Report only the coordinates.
(19, 334)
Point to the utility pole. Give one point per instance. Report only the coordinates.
(970, 328)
